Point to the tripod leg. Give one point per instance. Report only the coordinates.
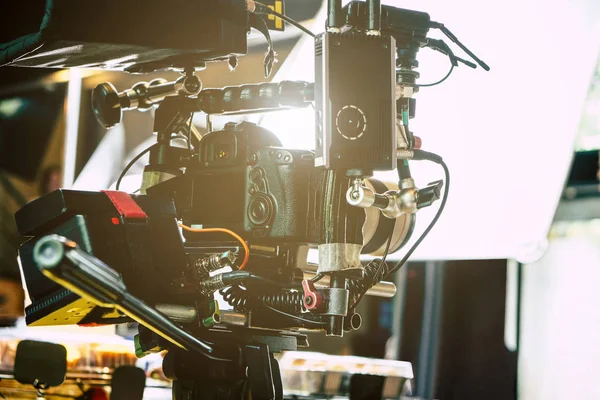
(277, 379)
(260, 371)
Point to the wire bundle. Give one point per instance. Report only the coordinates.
(284, 300)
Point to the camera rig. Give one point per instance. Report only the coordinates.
(234, 212)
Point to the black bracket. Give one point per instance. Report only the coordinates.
(261, 373)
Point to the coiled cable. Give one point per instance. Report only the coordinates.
(285, 300)
(374, 273)
(235, 296)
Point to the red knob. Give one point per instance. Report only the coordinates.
(312, 298)
(418, 143)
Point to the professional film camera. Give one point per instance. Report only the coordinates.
(234, 212)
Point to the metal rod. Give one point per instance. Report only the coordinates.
(188, 314)
(196, 132)
(374, 15)
(334, 14)
(336, 322)
(233, 318)
(209, 126)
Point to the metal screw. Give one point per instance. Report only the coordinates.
(385, 46)
(308, 300)
(191, 86)
(336, 43)
(386, 157)
(338, 156)
(355, 195)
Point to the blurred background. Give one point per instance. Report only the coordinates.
(500, 301)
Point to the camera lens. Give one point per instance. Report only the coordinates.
(351, 122)
(260, 209)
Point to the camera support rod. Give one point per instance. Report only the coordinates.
(108, 104)
(334, 15)
(374, 16)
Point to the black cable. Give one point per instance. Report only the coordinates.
(275, 283)
(128, 166)
(361, 288)
(440, 81)
(136, 158)
(233, 277)
(266, 10)
(376, 276)
(258, 22)
(317, 277)
(438, 160)
(385, 253)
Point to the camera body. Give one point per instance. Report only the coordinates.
(246, 182)
(241, 180)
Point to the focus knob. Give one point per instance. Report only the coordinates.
(106, 105)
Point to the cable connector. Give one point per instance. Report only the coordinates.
(419, 155)
(205, 265)
(435, 25)
(404, 154)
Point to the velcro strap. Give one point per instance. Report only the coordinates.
(125, 205)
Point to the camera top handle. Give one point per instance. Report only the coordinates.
(108, 104)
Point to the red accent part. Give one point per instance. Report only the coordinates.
(115, 221)
(125, 205)
(312, 298)
(91, 325)
(418, 143)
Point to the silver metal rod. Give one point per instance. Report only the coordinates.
(188, 314)
(233, 318)
(196, 132)
(177, 313)
(209, 125)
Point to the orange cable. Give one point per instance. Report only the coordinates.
(229, 232)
